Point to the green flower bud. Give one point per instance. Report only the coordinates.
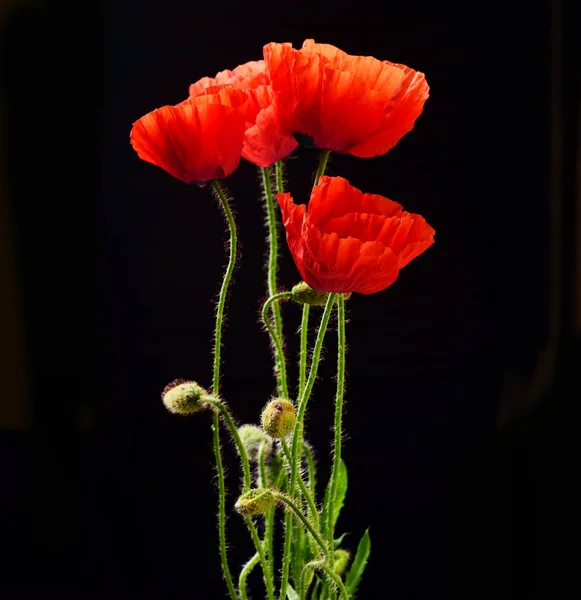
(278, 418)
(255, 502)
(303, 293)
(341, 560)
(183, 397)
(252, 438)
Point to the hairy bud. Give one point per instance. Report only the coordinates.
(278, 418)
(303, 293)
(253, 437)
(255, 502)
(341, 560)
(183, 397)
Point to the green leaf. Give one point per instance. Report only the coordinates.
(291, 594)
(341, 491)
(358, 565)
(338, 541)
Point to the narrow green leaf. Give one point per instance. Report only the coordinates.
(291, 594)
(338, 541)
(358, 565)
(341, 491)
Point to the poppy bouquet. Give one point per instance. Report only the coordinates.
(344, 241)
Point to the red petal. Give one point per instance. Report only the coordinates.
(400, 116)
(197, 140)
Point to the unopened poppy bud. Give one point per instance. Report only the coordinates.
(255, 502)
(278, 418)
(341, 560)
(303, 293)
(252, 438)
(183, 397)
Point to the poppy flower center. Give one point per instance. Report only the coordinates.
(304, 140)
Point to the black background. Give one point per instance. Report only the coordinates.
(104, 494)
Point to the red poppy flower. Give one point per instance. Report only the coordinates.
(197, 140)
(348, 241)
(265, 142)
(356, 105)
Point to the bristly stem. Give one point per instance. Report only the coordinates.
(246, 570)
(338, 413)
(322, 165)
(279, 177)
(337, 580)
(297, 437)
(280, 370)
(233, 241)
(276, 341)
(303, 348)
(268, 576)
(306, 523)
(310, 469)
(216, 386)
(268, 540)
(313, 512)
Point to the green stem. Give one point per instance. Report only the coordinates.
(222, 508)
(310, 469)
(216, 386)
(229, 421)
(276, 341)
(338, 414)
(246, 570)
(310, 566)
(298, 437)
(268, 541)
(225, 284)
(322, 165)
(337, 580)
(306, 523)
(303, 348)
(280, 370)
(268, 575)
(313, 512)
(279, 177)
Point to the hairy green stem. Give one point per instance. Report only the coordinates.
(280, 370)
(322, 165)
(310, 469)
(216, 386)
(268, 541)
(297, 437)
(268, 575)
(246, 570)
(279, 167)
(313, 512)
(338, 425)
(337, 580)
(276, 341)
(305, 522)
(223, 411)
(303, 354)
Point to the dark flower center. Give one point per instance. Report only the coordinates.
(304, 140)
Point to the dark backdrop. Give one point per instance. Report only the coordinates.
(105, 493)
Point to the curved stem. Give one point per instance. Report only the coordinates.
(216, 386)
(246, 570)
(337, 580)
(306, 523)
(268, 576)
(280, 370)
(276, 339)
(225, 283)
(229, 421)
(303, 348)
(322, 165)
(297, 437)
(310, 566)
(338, 425)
